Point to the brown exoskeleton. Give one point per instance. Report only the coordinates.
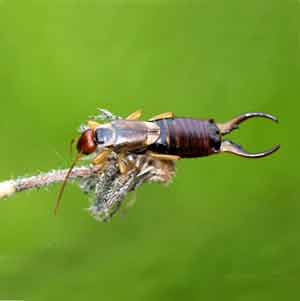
(163, 137)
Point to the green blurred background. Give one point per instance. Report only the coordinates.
(227, 228)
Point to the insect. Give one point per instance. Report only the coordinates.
(163, 137)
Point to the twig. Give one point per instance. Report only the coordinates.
(107, 186)
(8, 188)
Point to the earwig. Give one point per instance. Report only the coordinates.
(163, 137)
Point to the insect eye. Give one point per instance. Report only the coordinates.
(103, 135)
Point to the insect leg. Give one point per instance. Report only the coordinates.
(122, 165)
(135, 115)
(163, 156)
(166, 115)
(92, 124)
(102, 157)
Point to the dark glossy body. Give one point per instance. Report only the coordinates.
(187, 137)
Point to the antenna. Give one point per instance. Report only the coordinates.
(63, 186)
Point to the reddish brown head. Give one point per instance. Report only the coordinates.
(85, 146)
(86, 143)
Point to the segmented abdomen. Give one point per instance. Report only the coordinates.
(187, 137)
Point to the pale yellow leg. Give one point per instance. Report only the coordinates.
(135, 115)
(122, 165)
(166, 115)
(163, 156)
(92, 124)
(102, 157)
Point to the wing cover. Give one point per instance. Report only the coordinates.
(133, 135)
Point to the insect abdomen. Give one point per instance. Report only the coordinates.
(187, 137)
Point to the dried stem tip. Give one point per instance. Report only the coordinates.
(7, 188)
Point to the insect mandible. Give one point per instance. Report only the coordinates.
(163, 137)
